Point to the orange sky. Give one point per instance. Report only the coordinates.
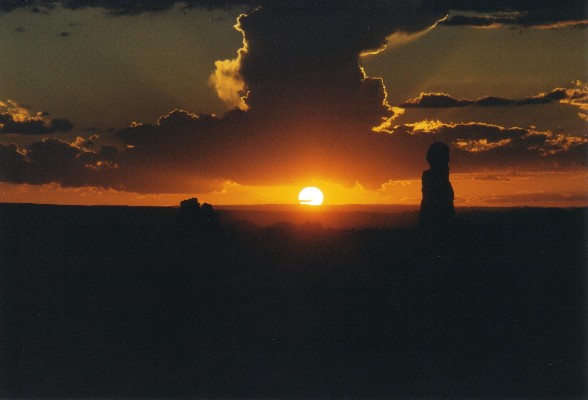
(471, 190)
(139, 109)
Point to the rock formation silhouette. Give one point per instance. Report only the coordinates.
(437, 212)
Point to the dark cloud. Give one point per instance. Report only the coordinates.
(184, 152)
(525, 13)
(505, 12)
(478, 147)
(61, 125)
(315, 70)
(46, 161)
(480, 21)
(42, 10)
(17, 120)
(544, 98)
(11, 164)
(498, 21)
(574, 96)
(117, 7)
(90, 143)
(52, 160)
(435, 100)
(33, 126)
(493, 101)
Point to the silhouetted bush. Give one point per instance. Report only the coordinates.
(189, 207)
(194, 216)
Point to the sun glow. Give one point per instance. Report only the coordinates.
(311, 196)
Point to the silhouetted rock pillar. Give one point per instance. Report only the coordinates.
(437, 212)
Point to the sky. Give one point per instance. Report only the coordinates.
(245, 102)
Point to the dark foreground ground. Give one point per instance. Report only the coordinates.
(115, 302)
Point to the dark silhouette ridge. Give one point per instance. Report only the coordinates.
(437, 211)
(121, 302)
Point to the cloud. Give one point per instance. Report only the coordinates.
(16, 119)
(479, 21)
(493, 101)
(227, 80)
(442, 100)
(478, 147)
(515, 20)
(576, 96)
(309, 112)
(52, 160)
(185, 152)
(535, 14)
(117, 7)
(90, 142)
(435, 100)
(35, 6)
(484, 13)
(302, 58)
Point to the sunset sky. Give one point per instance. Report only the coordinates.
(245, 102)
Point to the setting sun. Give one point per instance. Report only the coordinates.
(311, 196)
